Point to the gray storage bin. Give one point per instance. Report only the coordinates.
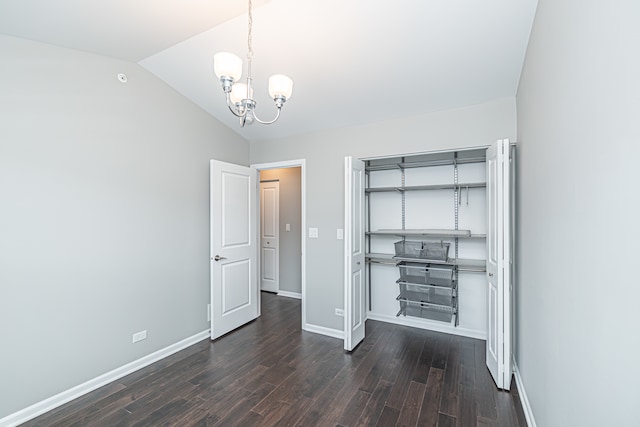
(412, 273)
(437, 251)
(433, 313)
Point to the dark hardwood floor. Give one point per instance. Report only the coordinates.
(270, 373)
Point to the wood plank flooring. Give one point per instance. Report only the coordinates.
(270, 373)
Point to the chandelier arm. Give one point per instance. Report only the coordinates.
(267, 123)
(232, 108)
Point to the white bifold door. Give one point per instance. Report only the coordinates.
(235, 297)
(354, 281)
(498, 351)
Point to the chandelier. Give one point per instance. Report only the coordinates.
(228, 68)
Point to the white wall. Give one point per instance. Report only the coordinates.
(325, 151)
(578, 206)
(290, 213)
(104, 216)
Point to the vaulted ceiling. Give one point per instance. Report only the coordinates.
(352, 61)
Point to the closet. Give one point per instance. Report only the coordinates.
(425, 244)
(428, 245)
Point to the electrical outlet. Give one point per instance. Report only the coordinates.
(313, 233)
(340, 234)
(339, 312)
(208, 312)
(139, 336)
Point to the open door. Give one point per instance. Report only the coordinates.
(498, 352)
(354, 286)
(235, 298)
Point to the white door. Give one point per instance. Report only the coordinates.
(498, 352)
(354, 286)
(234, 250)
(269, 236)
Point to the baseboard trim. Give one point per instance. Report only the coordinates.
(428, 325)
(288, 294)
(30, 412)
(335, 333)
(524, 400)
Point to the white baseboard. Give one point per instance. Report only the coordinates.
(429, 325)
(335, 333)
(59, 399)
(288, 294)
(524, 400)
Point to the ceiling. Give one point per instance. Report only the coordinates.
(352, 61)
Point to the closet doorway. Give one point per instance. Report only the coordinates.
(282, 225)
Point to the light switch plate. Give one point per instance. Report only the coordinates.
(287, 227)
(340, 234)
(313, 233)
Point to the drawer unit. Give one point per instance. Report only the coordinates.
(427, 291)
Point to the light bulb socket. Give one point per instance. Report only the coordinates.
(227, 83)
(279, 100)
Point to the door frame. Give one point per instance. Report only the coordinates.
(301, 163)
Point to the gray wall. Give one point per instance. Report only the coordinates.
(325, 151)
(290, 213)
(104, 217)
(578, 104)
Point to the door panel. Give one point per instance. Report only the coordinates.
(268, 264)
(234, 249)
(236, 297)
(354, 301)
(269, 236)
(492, 329)
(356, 306)
(235, 212)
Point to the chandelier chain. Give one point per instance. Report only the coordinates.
(250, 35)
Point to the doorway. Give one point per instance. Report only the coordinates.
(282, 268)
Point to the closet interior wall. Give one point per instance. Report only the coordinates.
(428, 198)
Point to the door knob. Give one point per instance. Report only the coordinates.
(218, 258)
(358, 263)
(490, 274)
